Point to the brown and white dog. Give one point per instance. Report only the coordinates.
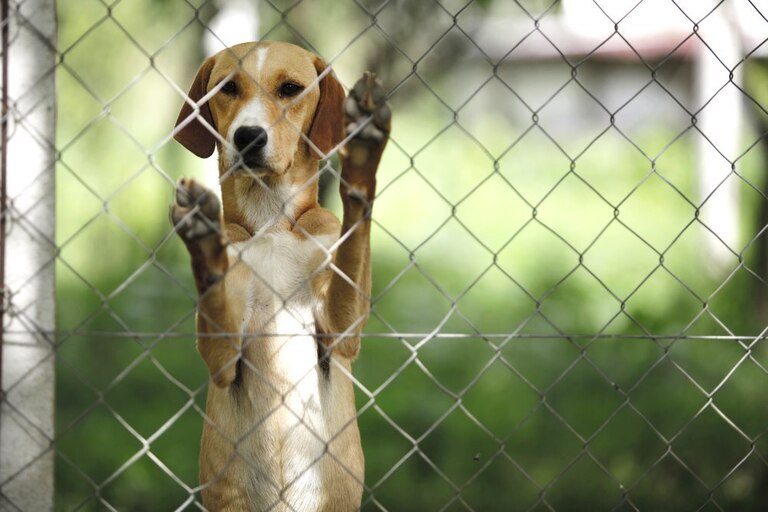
(283, 286)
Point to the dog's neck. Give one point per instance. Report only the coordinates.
(269, 203)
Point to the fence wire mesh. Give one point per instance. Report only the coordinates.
(569, 257)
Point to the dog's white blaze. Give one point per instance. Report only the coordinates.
(261, 58)
(252, 113)
(282, 265)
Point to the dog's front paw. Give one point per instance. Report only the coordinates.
(368, 117)
(367, 121)
(196, 212)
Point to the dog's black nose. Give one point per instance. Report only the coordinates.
(250, 138)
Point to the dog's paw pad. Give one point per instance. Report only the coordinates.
(195, 213)
(368, 116)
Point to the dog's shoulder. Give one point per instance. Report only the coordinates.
(318, 222)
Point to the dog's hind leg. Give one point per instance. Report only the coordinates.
(196, 215)
(368, 123)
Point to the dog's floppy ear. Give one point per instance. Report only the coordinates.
(327, 129)
(195, 136)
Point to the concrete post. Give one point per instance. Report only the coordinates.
(27, 399)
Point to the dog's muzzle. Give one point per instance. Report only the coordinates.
(250, 142)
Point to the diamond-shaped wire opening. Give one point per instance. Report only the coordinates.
(612, 155)
(624, 362)
(574, 211)
(176, 355)
(516, 490)
(411, 290)
(738, 488)
(101, 357)
(435, 73)
(385, 357)
(550, 250)
(585, 483)
(703, 430)
(601, 305)
(455, 364)
(533, 166)
(410, 192)
(627, 446)
(103, 131)
(554, 116)
(470, 444)
(471, 163)
(99, 427)
(395, 400)
(100, 268)
(74, 25)
(671, 212)
(512, 306)
(473, 212)
(78, 120)
(174, 445)
(539, 360)
(543, 458)
(499, 398)
(417, 45)
(512, 73)
(695, 357)
(662, 290)
(455, 252)
(683, 399)
(152, 90)
(747, 381)
(657, 103)
(98, 44)
(435, 491)
(391, 449)
(153, 38)
(661, 485)
(586, 418)
(618, 243)
(142, 478)
(138, 300)
(494, 116)
(143, 396)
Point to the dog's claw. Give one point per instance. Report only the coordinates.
(195, 214)
(351, 108)
(366, 106)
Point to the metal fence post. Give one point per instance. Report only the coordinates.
(26, 415)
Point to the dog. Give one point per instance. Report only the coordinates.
(284, 287)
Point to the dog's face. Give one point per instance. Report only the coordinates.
(267, 105)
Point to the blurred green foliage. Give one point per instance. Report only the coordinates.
(559, 291)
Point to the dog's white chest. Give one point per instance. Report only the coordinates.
(284, 387)
(280, 307)
(278, 263)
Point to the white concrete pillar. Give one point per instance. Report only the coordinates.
(720, 122)
(27, 403)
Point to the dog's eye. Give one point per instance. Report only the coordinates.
(229, 88)
(289, 89)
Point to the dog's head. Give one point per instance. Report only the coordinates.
(264, 105)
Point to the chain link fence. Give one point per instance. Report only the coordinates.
(569, 256)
